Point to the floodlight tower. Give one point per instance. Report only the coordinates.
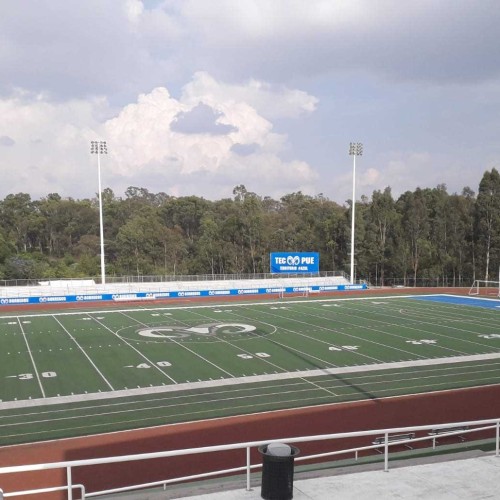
(355, 149)
(100, 148)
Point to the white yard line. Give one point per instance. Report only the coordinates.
(303, 404)
(276, 343)
(32, 359)
(487, 318)
(184, 346)
(249, 392)
(329, 330)
(153, 364)
(212, 305)
(247, 380)
(85, 354)
(426, 324)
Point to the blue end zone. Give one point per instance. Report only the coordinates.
(463, 301)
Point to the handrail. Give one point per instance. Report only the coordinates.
(45, 490)
(477, 426)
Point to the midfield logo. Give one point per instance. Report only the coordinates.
(210, 330)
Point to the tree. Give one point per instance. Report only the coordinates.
(6, 249)
(139, 241)
(415, 226)
(19, 218)
(209, 245)
(174, 250)
(63, 222)
(487, 218)
(383, 218)
(186, 213)
(437, 201)
(252, 215)
(459, 213)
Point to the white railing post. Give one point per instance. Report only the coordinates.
(248, 468)
(69, 482)
(497, 439)
(386, 453)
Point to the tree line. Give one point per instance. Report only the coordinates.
(426, 236)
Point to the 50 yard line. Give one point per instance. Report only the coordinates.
(31, 356)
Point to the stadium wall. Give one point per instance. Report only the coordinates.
(216, 291)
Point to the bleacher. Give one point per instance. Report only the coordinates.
(54, 288)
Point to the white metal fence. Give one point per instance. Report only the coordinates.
(82, 287)
(383, 440)
(169, 278)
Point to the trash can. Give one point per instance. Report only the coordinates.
(277, 471)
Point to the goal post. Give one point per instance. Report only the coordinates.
(485, 288)
(302, 291)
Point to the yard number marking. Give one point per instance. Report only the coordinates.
(29, 376)
(250, 356)
(344, 348)
(420, 342)
(146, 365)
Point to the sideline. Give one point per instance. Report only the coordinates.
(245, 380)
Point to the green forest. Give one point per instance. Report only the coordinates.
(426, 236)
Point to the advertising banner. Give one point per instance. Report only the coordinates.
(286, 262)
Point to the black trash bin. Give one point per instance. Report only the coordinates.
(277, 471)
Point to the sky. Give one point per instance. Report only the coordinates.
(195, 97)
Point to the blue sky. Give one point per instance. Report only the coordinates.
(196, 96)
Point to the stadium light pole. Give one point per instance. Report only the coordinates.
(355, 149)
(100, 148)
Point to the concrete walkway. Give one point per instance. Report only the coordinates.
(465, 478)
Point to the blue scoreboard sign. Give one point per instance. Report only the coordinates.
(304, 262)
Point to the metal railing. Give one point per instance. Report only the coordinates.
(439, 282)
(43, 490)
(167, 278)
(83, 287)
(464, 428)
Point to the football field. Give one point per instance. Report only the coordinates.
(85, 372)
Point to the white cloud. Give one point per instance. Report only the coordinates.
(146, 147)
(406, 171)
(49, 141)
(147, 138)
(134, 9)
(271, 101)
(400, 170)
(369, 178)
